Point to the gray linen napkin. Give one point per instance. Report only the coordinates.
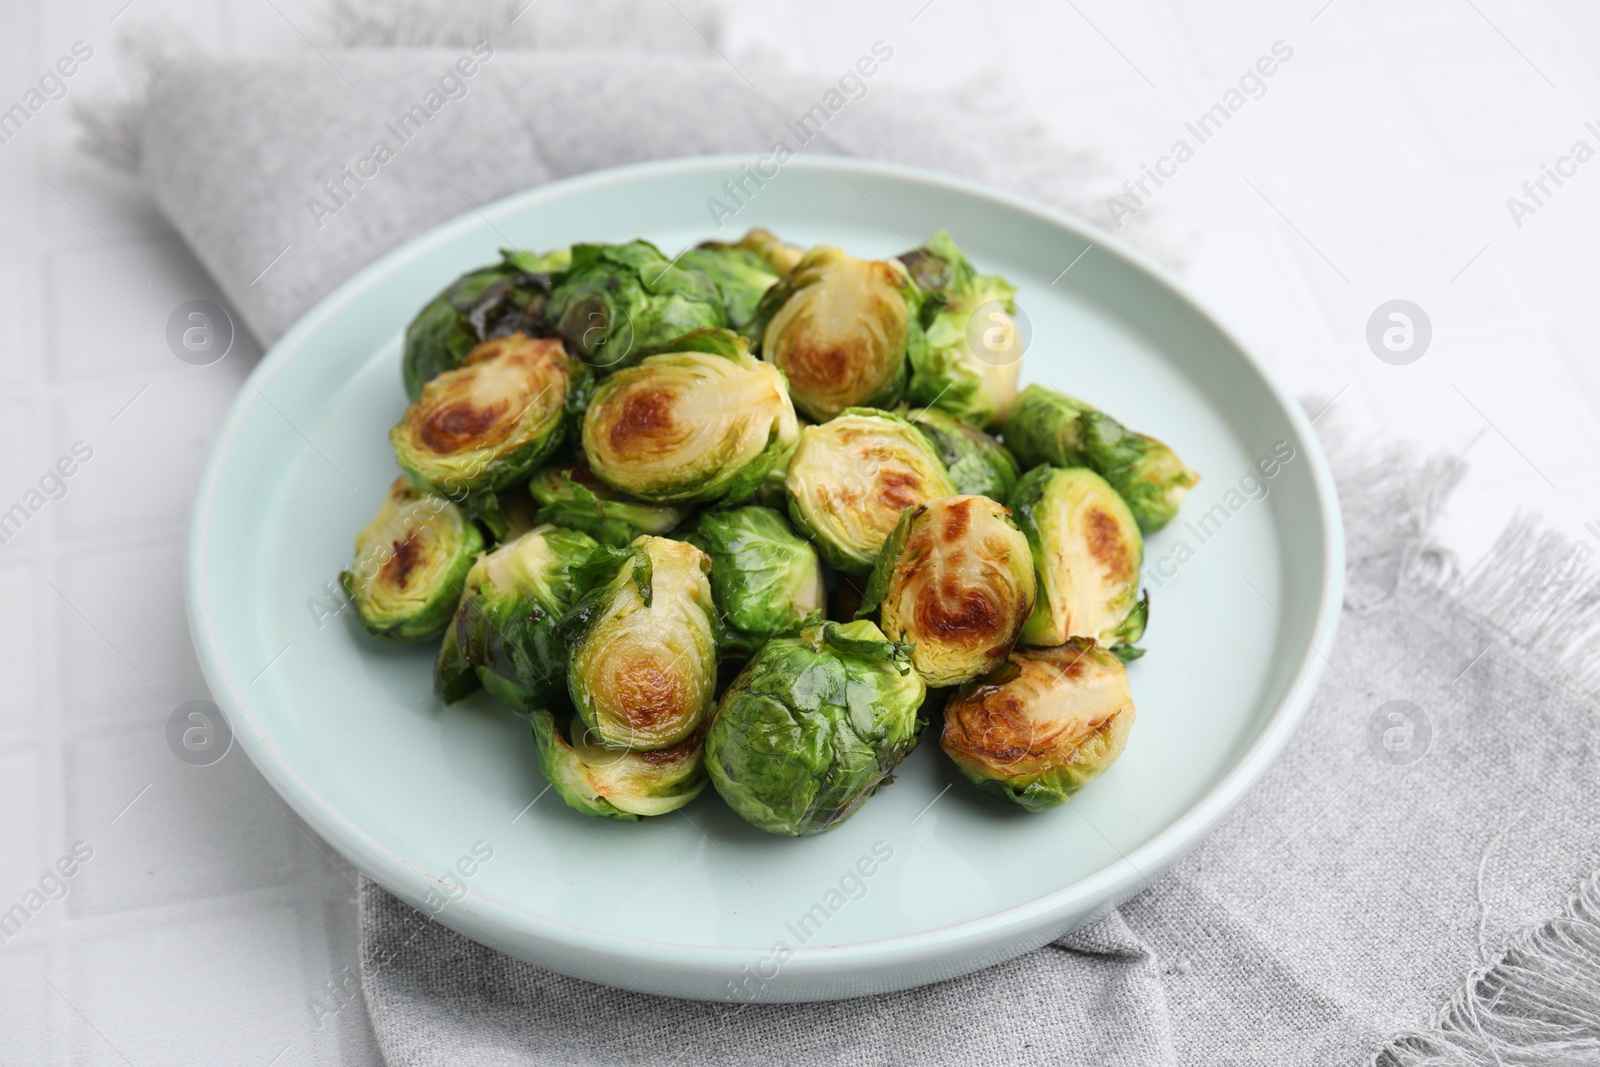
(1352, 894)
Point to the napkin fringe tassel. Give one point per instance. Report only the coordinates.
(1535, 1002)
(1536, 1005)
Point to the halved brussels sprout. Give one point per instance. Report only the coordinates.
(812, 726)
(1087, 552)
(411, 560)
(956, 581)
(570, 495)
(490, 421)
(479, 306)
(1047, 426)
(839, 328)
(851, 477)
(619, 303)
(741, 276)
(643, 671)
(505, 632)
(703, 421)
(1042, 725)
(613, 783)
(947, 373)
(977, 462)
(766, 580)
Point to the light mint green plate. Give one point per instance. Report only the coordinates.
(698, 904)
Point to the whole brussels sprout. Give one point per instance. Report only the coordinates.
(839, 328)
(489, 422)
(956, 581)
(704, 421)
(643, 669)
(479, 306)
(505, 632)
(851, 477)
(766, 581)
(978, 463)
(570, 495)
(619, 303)
(946, 373)
(741, 276)
(410, 563)
(615, 783)
(1047, 426)
(1087, 552)
(780, 258)
(1042, 725)
(812, 726)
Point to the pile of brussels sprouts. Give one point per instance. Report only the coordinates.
(741, 516)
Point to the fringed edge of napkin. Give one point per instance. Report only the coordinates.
(1536, 1001)
(1536, 1005)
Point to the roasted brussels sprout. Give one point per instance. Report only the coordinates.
(479, 306)
(977, 462)
(812, 726)
(1087, 552)
(1042, 725)
(1047, 426)
(956, 581)
(489, 422)
(741, 276)
(570, 495)
(410, 562)
(704, 421)
(780, 258)
(766, 581)
(947, 373)
(504, 635)
(851, 477)
(643, 670)
(616, 783)
(619, 303)
(839, 328)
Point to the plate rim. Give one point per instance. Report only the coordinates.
(483, 919)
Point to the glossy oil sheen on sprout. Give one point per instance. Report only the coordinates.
(812, 726)
(497, 301)
(1043, 725)
(616, 783)
(851, 477)
(504, 634)
(945, 372)
(490, 421)
(766, 580)
(1046, 426)
(410, 563)
(956, 581)
(643, 671)
(704, 422)
(1087, 552)
(839, 328)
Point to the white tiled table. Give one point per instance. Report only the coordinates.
(207, 925)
